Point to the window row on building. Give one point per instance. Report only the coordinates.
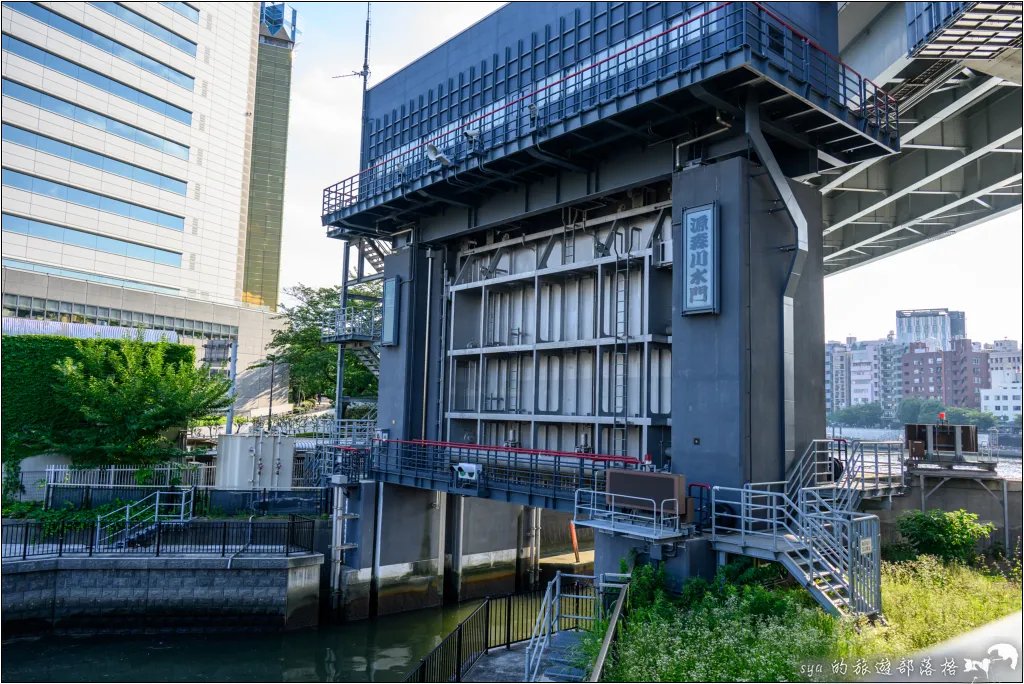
(91, 277)
(96, 80)
(102, 42)
(90, 118)
(69, 312)
(147, 26)
(81, 238)
(102, 162)
(47, 188)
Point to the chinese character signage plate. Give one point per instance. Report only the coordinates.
(700, 260)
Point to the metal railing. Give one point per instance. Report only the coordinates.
(845, 472)
(187, 475)
(616, 621)
(848, 540)
(23, 540)
(825, 546)
(123, 526)
(556, 474)
(352, 322)
(497, 622)
(721, 29)
(584, 607)
(346, 432)
(622, 513)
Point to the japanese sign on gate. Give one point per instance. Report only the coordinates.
(699, 232)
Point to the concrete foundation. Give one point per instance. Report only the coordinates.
(690, 558)
(152, 595)
(953, 495)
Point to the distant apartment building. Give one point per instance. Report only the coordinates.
(837, 376)
(936, 328)
(1004, 362)
(143, 168)
(864, 372)
(955, 377)
(865, 382)
(1004, 401)
(890, 375)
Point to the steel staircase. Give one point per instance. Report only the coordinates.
(375, 252)
(369, 356)
(133, 524)
(810, 523)
(552, 652)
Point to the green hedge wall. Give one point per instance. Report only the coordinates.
(27, 375)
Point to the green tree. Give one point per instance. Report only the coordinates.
(858, 415)
(123, 400)
(962, 416)
(929, 411)
(908, 411)
(312, 363)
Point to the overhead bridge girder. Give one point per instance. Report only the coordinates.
(964, 168)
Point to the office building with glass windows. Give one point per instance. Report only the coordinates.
(128, 159)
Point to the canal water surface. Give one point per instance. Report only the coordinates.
(381, 650)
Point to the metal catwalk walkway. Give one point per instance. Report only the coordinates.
(531, 477)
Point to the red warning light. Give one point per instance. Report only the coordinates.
(942, 415)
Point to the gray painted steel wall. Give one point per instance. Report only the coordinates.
(726, 376)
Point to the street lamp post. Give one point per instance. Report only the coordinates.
(270, 411)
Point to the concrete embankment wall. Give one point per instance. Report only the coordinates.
(956, 494)
(421, 533)
(167, 594)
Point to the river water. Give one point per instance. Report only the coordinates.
(381, 650)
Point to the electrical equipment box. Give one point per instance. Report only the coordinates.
(255, 461)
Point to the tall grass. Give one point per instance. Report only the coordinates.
(744, 626)
(926, 601)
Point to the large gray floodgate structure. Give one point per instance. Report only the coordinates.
(602, 231)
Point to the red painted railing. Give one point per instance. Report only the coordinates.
(726, 27)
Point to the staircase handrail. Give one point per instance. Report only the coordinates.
(780, 514)
(836, 531)
(813, 531)
(121, 524)
(543, 627)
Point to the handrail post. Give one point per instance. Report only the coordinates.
(556, 610)
(288, 539)
(157, 538)
(458, 651)
(224, 539)
(60, 540)
(487, 624)
(24, 541)
(508, 622)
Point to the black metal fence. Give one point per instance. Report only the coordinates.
(208, 501)
(500, 621)
(22, 540)
(26, 485)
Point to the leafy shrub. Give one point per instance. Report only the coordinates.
(949, 535)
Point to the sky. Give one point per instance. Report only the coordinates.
(978, 271)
